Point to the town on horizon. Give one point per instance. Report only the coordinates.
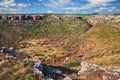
(36, 16)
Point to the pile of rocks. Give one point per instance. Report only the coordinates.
(87, 72)
(47, 72)
(8, 52)
(99, 73)
(102, 18)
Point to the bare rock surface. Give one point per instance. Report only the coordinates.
(99, 73)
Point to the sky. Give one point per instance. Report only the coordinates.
(60, 6)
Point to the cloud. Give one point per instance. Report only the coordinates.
(22, 5)
(95, 3)
(58, 3)
(58, 6)
(101, 9)
(73, 9)
(113, 8)
(7, 3)
(36, 4)
(10, 6)
(63, 2)
(91, 4)
(99, 1)
(40, 0)
(49, 11)
(107, 9)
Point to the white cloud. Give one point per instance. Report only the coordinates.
(64, 2)
(72, 9)
(97, 10)
(113, 8)
(99, 1)
(36, 4)
(104, 9)
(91, 4)
(5, 10)
(9, 6)
(94, 3)
(49, 11)
(58, 3)
(87, 6)
(106, 4)
(7, 3)
(40, 0)
(101, 9)
(110, 10)
(22, 5)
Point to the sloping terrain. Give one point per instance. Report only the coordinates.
(66, 41)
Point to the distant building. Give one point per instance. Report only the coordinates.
(10, 18)
(0, 17)
(22, 17)
(29, 17)
(36, 17)
(16, 17)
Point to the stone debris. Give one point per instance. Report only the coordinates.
(1, 62)
(49, 72)
(67, 78)
(9, 52)
(102, 18)
(86, 66)
(113, 71)
(104, 77)
(38, 65)
(66, 59)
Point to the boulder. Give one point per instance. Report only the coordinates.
(67, 78)
(96, 72)
(86, 66)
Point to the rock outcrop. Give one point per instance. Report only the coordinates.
(95, 72)
(87, 72)
(47, 72)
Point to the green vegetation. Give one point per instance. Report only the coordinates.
(16, 70)
(55, 38)
(12, 32)
(71, 63)
(86, 14)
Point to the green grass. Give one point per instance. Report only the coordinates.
(71, 63)
(11, 34)
(86, 14)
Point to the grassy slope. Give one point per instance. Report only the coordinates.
(49, 39)
(56, 41)
(106, 40)
(100, 41)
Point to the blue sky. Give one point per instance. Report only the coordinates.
(60, 6)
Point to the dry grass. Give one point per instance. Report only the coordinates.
(107, 60)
